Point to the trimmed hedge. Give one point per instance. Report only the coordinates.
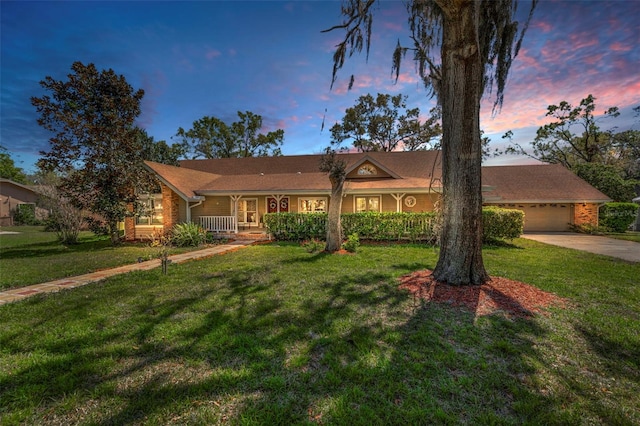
(618, 216)
(498, 224)
(502, 223)
(390, 226)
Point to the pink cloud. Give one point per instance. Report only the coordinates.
(392, 26)
(582, 40)
(545, 27)
(593, 59)
(619, 47)
(212, 53)
(407, 78)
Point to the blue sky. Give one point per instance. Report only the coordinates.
(216, 58)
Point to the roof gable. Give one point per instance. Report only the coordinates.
(369, 168)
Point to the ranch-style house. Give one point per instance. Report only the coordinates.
(231, 195)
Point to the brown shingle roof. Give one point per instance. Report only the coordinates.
(182, 180)
(540, 182)
(414, 171)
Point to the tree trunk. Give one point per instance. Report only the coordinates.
(460, 261)
(114, 233)
(334, 227)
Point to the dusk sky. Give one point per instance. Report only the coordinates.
(215, 58)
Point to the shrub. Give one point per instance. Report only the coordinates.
(296, 226)
(313, 245)
(618, 216)
(188, 234)
(499, 223)
(25, 214)
(352, 243)
(389, 226)
(588, 228)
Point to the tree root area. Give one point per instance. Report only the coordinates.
(499, 295)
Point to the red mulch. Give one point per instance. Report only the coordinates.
(513, 298)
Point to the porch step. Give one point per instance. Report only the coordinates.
(256, 235)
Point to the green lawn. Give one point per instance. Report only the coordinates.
(271, 334)
(34, 256)
(629, 236)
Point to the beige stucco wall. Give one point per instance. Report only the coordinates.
(222, 205)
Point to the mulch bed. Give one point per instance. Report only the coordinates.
(513, 298)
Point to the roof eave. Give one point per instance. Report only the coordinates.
(181, 194)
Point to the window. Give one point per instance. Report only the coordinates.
(275, 206)
(149, 210)
(248, 210)
(367, 170)
(367, 204)
(310, 205)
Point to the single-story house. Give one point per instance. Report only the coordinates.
(232, 194)
(14, 196)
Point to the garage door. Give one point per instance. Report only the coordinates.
(546, 217)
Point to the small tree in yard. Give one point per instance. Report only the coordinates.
(95, 146)
(64, 219)
(336, 168)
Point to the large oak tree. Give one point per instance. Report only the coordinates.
(210, 137)
(384, 123)
(462, 48)
(94, 146)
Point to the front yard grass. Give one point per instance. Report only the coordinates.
(272, 334)
(33, 256)
(629, 236)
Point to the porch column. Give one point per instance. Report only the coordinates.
(398, 198)
(235, 199)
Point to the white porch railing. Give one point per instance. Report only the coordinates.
(218, 223)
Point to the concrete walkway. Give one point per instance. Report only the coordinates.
(621, 249)
(71, 282)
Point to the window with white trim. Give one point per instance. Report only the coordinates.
(312, 204)
(248, 210)
(367, 170)
(149, 209)
(367, 204)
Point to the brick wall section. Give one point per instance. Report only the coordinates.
(170, 207)
(585, 214)
(129, 225)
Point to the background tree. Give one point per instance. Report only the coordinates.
(608, 160)
(211, 137)
(384, 123)
(557, 143)
(336, 168)
(159, 151)
(8, 168)
(608, 179)
(477, 41)
(627, 150)
(95, 146)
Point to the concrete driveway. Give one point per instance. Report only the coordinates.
(626, 250)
